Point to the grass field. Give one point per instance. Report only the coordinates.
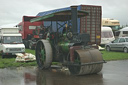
(109, 56)
(10, 62)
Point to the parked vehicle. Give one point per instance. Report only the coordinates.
(113, 23)
(10, 41)
(106, 35)
(123, 32)
(119, 44)
(30, 31)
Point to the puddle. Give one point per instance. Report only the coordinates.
(113, 73)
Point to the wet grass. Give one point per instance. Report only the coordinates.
(109, 56)
(10, 62)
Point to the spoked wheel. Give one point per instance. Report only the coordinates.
(43, 54)
(87, 61)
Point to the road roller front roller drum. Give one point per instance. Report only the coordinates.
(86, 61)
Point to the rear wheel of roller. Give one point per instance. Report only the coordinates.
(75, 69)
(87, 61)
(43, 54)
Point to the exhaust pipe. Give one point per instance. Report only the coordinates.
(74, 19)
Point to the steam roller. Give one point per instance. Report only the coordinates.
(68, 47)
(79, 60)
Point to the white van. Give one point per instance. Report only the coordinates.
(10, 41)
(106, 35)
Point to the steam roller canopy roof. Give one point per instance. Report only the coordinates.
(59, 16)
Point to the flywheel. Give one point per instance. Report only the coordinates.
(86, 61)
(43, 54)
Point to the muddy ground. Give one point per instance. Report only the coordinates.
(113, 73)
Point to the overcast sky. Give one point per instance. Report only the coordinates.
(11, 11)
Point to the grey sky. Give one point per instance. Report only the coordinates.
(11, 11)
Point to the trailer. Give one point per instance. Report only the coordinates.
(106, 35)
(123, 32)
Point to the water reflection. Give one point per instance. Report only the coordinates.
(34, 76)
(47, 77)
(114, 73)
(29, 78)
